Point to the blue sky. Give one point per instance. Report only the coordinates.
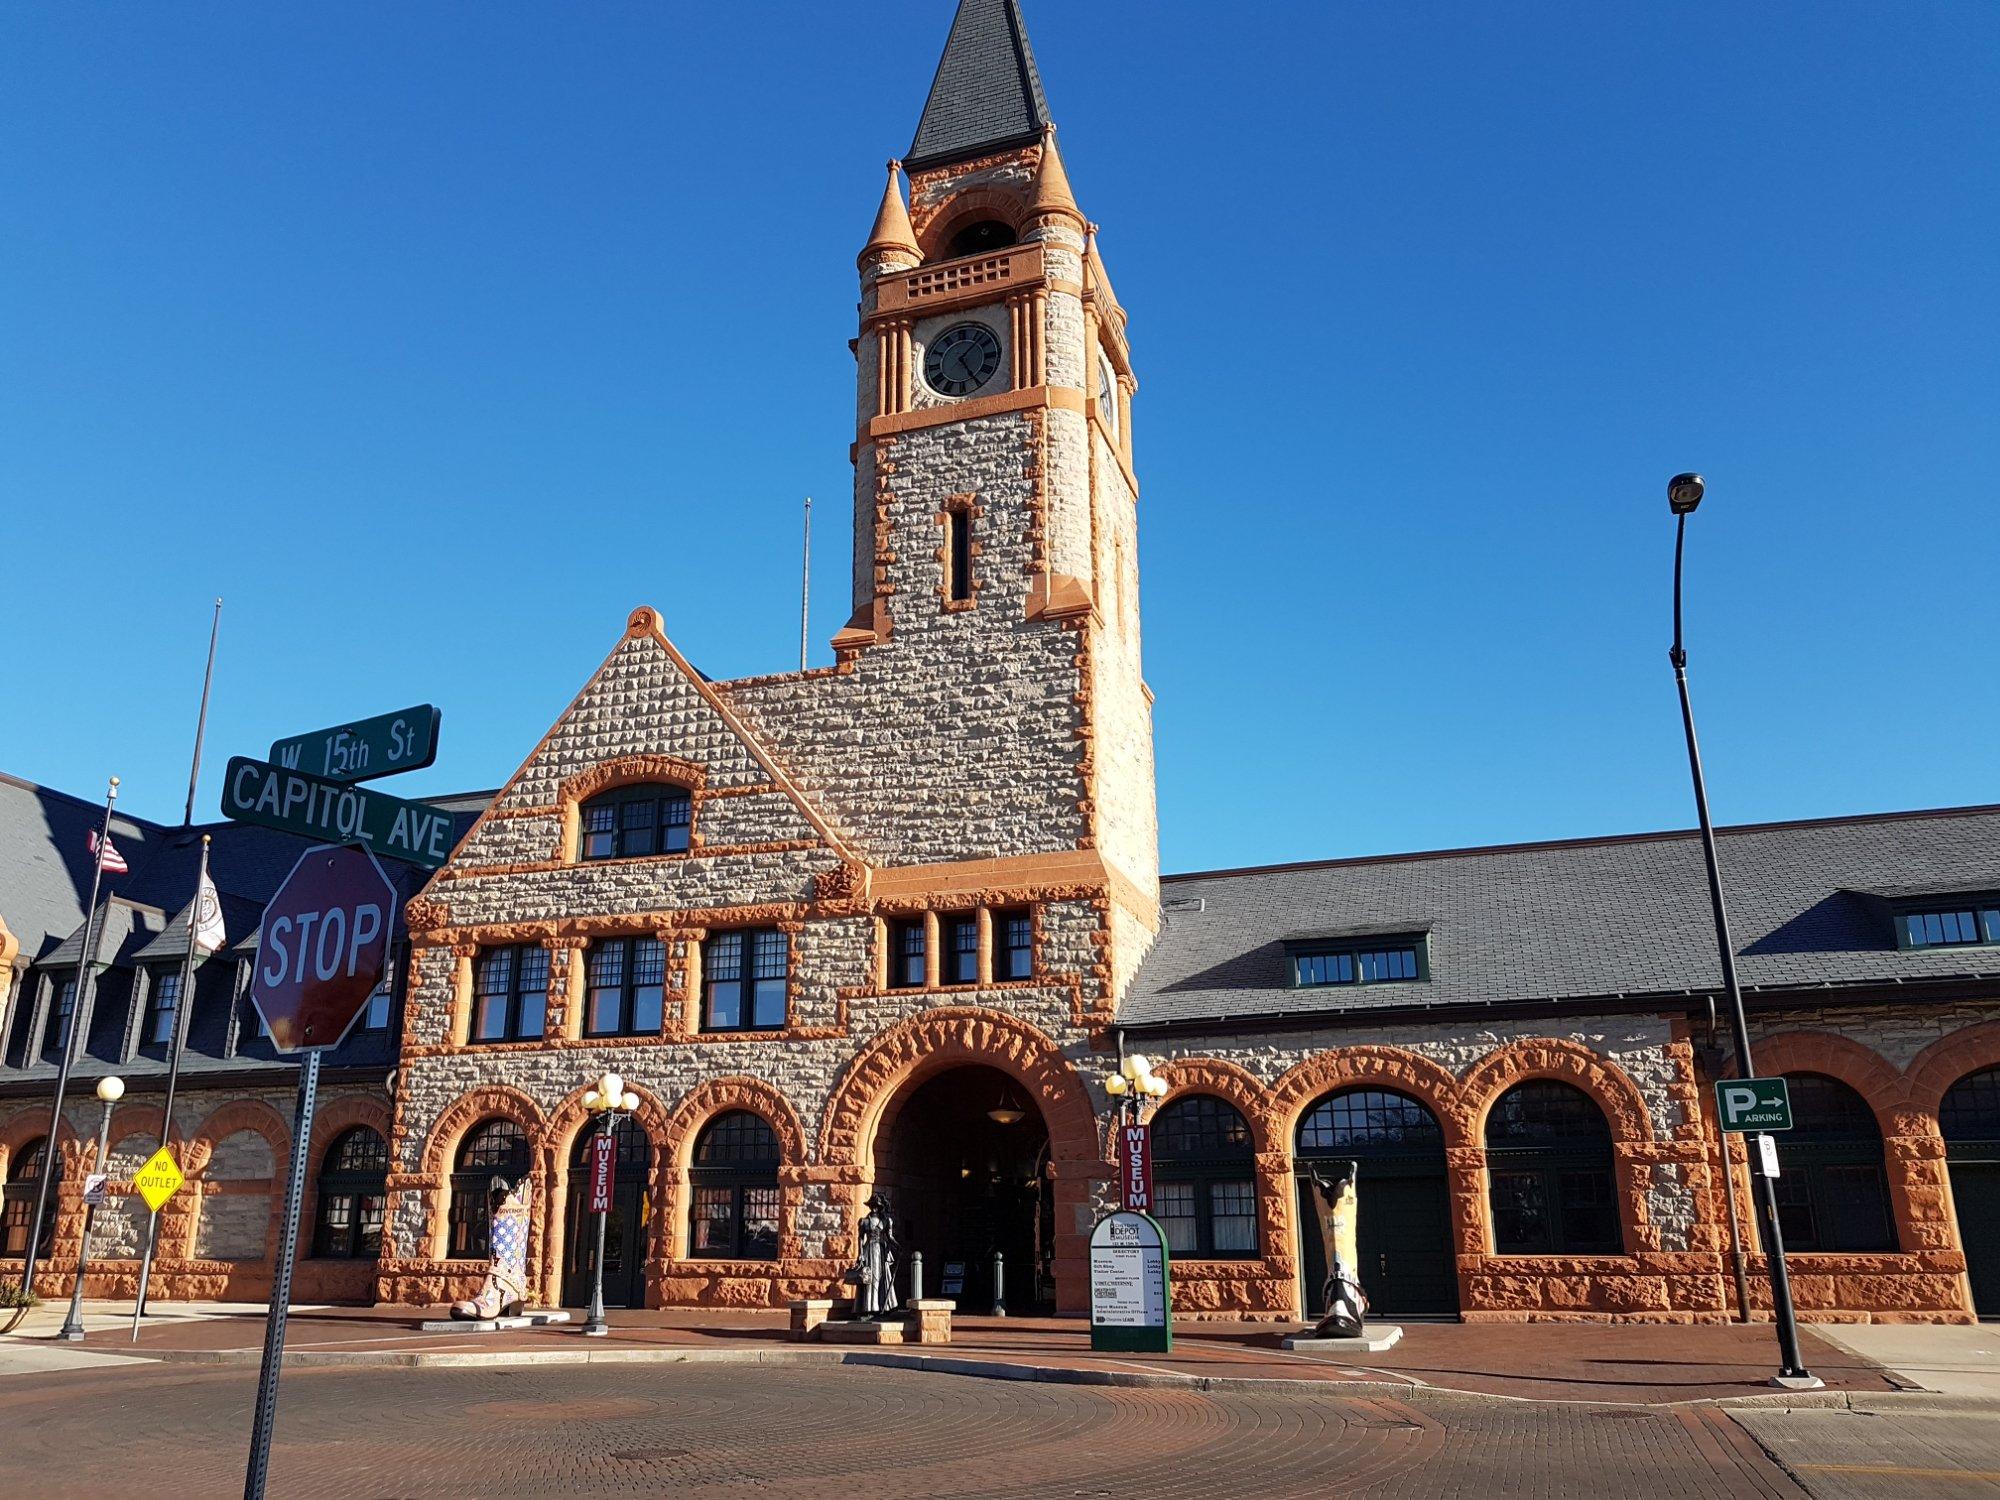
(436, 336)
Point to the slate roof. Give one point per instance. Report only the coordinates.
(987, 94)
(46, 863)
(1587, 919)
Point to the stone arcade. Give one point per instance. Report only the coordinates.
(882, 926)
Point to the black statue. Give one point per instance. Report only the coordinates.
(874, 1272)
(1334, 1207)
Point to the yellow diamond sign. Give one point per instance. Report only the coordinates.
(159, 1179)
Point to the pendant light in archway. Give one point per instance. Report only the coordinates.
(1008, 1109)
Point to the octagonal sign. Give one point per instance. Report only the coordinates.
(323, 947)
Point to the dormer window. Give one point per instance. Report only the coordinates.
(1957, 924)
(633, 821)
(1317, 964)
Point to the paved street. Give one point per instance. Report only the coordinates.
(175, 1430)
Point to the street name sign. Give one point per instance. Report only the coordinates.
(159, 1179)
(322, 947)
(1131, 1308)
(1754, 1104)
(315, 807)
(603, 1170)
(406, 740)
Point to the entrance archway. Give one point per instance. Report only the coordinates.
(1969, 1120)
(963, 1157)
(624, 1231)
(1403, 1229)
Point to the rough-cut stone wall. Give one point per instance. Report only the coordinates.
(1122, 712)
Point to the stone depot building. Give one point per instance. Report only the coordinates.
(884, 926)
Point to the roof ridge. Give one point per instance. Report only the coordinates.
(1603, 840)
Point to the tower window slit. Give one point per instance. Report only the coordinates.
(960, 565)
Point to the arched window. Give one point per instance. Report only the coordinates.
(734, 1177)
(1969, 1117)
(976, 239)
(492, 1148)
(1969, 1120)
(1403, 1238)
(353, 1189)
(17, 1217)
(648, 818)
(1205, 1178)
(1548, 1157)
(1832, 1192)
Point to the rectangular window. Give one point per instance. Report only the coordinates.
(959, 523)
(166, 1003)
(714, 1221)
(1376, 963)
(510, 999)
(637, 821)
(1233, 1217)
(745, 980)
(59, 1014)
(600, 832)
(962, 950)
(906, 954)
(1173, 1206)
(760, 1223)
(625, 987)
(638, 825)
(1952, 927)
(377, 1017)
(1014, 932)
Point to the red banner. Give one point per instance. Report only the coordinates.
(603, 1171)
(1135, 1162)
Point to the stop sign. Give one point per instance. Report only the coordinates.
(323, 946)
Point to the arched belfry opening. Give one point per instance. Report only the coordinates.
(963, 1157)
(979, 237)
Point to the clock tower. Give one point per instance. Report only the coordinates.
(995, 505)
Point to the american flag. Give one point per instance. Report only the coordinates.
(111, 859)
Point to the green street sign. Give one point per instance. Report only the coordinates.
(406, 740)
(334, 812)
(1753, 1104)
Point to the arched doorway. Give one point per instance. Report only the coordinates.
(1403, 1228)
(963, 1158)
(1969, 1120)
(624, 1229)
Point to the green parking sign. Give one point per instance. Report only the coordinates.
(1753, 1104)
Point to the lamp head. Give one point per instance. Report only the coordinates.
(111, 1090)
(1684, 492)
(1115, 1084)
(630, 1102)
(611, 1088)
(1156, 1086)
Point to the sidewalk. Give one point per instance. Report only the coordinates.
(1622, 1363)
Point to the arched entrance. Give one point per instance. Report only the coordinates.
(963, 1158)
(624, 1230)
(1969, 1120)
(1403, 1233)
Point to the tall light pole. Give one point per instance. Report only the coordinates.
(110, 1090)
(609, 1100)
(1684, 492)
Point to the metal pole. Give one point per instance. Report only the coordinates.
(916, 1275)
(186, 1003)
(805, 584)
(281, 1289)
(1792, 1367)
(72, 1328)
(999, 1285)
(594, 1326)
(76, 1011)
(201, 723)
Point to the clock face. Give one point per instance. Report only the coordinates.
(1107, 404)
(961, 359)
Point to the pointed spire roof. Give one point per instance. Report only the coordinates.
(1052, 190)
(987, 94)
(893, 230)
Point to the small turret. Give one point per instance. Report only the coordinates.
(1054, 202)
(892, 243)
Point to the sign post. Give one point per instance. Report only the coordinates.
(320, 954)
(1131, 1297)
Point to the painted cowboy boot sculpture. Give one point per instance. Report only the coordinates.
(1334, 1205)
(506, 1290)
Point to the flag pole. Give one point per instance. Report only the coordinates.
(181, 1009)
(201, 723)
(77, 1010)
(805, 584)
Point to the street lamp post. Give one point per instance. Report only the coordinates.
(110, 1090)
(1684, 492)
(607, 1101)
(1132, 1085)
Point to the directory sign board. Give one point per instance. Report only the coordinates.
(1131, 1302)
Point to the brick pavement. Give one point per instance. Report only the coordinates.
(173, 1431)
(1574, 1362)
